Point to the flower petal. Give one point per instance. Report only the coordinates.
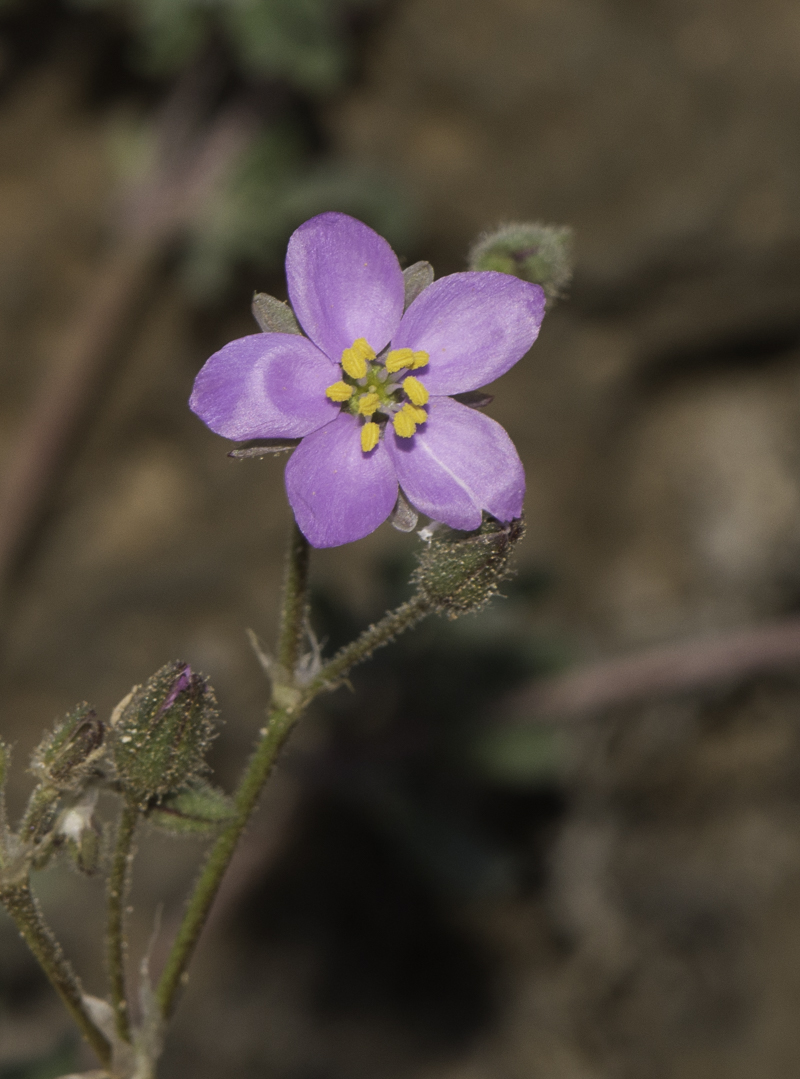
(338, 493)
(474, 327)
(268, 385)
(457, 464)
(344, 283)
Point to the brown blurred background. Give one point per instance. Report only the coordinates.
(437, 886)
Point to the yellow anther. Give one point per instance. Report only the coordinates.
(368, 404)
(404, 422)
(418, 415)
(420, 359)
(415, 391)
(355, 358)
(399, 358)
(370, 436)
(354, 363)
(339, 391)
(361, 346)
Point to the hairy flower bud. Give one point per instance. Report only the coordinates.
(459, 572)
(541, 254)
(161, 732)
(65, 756)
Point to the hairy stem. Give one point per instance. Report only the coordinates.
(23, 908)
(281, 719)
(279, 723)
(390, 626)
(115, 937)
(295, 602)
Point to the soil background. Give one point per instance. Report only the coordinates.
(405, 903)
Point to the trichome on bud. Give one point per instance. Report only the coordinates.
(459, 572)
(541, 254)
(160, 733)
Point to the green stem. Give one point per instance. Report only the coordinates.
(115, 937)
(23, 908)
(395, 622)
(295, 602)
(280, 722)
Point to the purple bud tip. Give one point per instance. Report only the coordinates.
(182, 682)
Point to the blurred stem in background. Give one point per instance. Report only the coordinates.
(218, 176)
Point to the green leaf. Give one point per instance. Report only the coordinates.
(198, 809)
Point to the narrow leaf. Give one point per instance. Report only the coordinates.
(266, 448)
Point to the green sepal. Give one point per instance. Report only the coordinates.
(274, 316)
(85, 851)
(459, 572)
(198, 809)
(541, 254)
(160, 733)
(416, 279)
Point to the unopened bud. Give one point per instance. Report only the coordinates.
(161, 732)
(64, 757)
(459, 572)
(538, 253)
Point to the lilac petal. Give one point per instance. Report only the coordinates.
(268, 385)
(459, 463)
(474, 326)
(338, 492)
(344, 283)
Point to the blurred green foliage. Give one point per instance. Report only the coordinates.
(277, 185)
(302, 42)
(56, 1062)
(279, 62)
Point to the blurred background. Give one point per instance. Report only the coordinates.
(450, 877)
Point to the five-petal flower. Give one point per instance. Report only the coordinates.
(367, 390)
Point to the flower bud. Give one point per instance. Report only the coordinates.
(538, 253)
(161, 732)
(65, 757)
(459, 572)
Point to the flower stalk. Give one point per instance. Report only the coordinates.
(118, 882)
(280, 722)
(23, 908)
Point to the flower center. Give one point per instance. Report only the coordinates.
(372, 388)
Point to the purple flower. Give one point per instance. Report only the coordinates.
(367, 389)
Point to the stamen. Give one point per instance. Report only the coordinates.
(404, 423)
(339, 391)
(418, 415)
(369, 404)
(370, 436)
(399, 358)
(420, 359)
(362, 347)
(354, 359)
(354, 363)
(415, 391)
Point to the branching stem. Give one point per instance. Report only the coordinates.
(280, 721)
(23, 908)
